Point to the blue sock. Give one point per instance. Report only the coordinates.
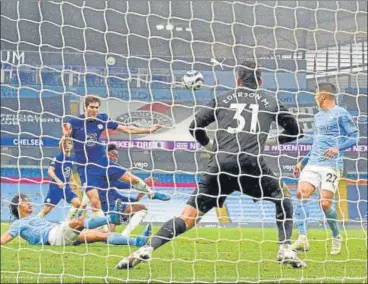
(331, 216)
(117, 239)
(95, 222)
(301, 216)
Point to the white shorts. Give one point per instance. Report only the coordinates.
(322, 178)
(62, 235)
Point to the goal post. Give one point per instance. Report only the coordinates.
(133, 55)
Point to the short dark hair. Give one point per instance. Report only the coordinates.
(249, 73)
(91, 99)
(14, 203)
(111, 147)
(327, 87)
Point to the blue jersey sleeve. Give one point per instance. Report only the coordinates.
(57, 160)
(346, 122)
(14, 228)
(110, 124)
(72, 122)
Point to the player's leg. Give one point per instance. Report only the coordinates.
(96, 205)
(198, 205)
(53, 197)
(72, 199)
(68, 232)
(92, 236)
(309, 181)
(268, 187)
(135, 213)
(45, 210)
(94, 199)
(263, 184)
(96, 179)
(141, 186)
(329, 186)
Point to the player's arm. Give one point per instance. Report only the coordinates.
(346, 122)
(288, 122)
(12, 233)
(202, 118)
(114, 125)
(299, 166)
(52, 175)
(67, 129)
(6, 237)
(135, 130)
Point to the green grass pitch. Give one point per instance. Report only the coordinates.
(216, 255)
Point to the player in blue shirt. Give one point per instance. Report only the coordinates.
(38, 231)
(61, 174)
(94, 167)
(334, 132)
(135, 213)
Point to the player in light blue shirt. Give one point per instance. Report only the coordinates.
(334, 132)
(94, 168)
(38, 231)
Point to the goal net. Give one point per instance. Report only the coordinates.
(133, 55)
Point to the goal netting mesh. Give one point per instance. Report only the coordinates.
(133, 54)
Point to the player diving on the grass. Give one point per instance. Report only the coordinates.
(39, 231)
(243, 118)
(94, 168)
(334, 132)
(133, 211)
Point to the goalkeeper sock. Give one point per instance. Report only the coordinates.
(117, 239)
(301, 216)
(41, 214)
(100, 213)
(284, 219)
(168, 231)
(331, 216)
(134, 222)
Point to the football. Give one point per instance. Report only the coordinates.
(193, 80)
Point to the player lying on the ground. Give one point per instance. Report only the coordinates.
(334, 132)
(61, 174)
(135, 213)
(243, 118)
(94, 168)
(38, 231)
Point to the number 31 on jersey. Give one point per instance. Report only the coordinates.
(241, 119)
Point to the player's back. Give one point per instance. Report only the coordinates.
(34, 230)
(243, 119)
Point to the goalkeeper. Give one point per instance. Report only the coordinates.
(38, 231)
(243, 118)
(334, 132)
